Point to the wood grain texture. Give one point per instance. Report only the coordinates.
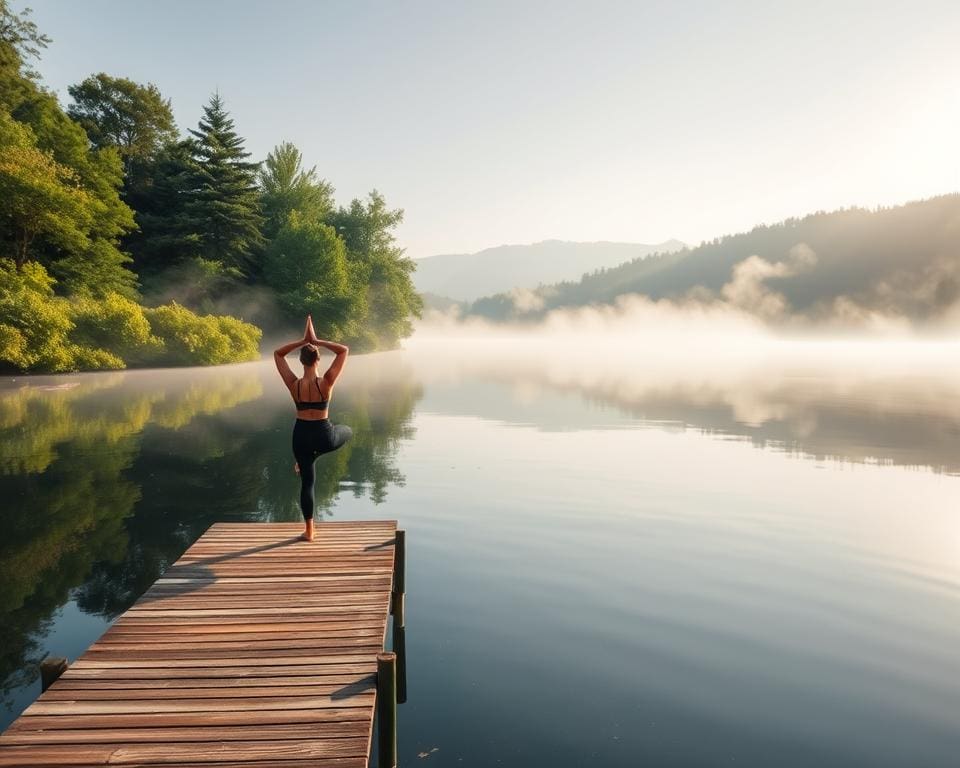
(253, 649)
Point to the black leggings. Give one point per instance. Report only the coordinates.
(310, 439)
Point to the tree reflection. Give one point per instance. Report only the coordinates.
(66, 488)
(241, 468)
(107, 479)
(849, 403)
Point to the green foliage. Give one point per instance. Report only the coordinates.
(34, 324)
(39, 197)
(92, 359)
(117, 324)
(20, 40)
(306, 266)
(60, 204)
(158, 190)
(194, 282)
(381, 274)
(243, 338)
(223, 205)
(117, 112)
(40, 331)
(43, 332)
(285, 187)
(191, 339)
(199, 213)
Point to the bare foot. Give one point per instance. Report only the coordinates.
(307, 534)
(296, 468)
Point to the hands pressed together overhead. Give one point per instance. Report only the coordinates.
(309, 335)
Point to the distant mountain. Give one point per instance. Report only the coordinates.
(468, 276)
(848, 267)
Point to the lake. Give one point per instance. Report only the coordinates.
(670, 557)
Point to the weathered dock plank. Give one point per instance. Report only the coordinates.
(253, 649)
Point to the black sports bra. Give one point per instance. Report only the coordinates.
(304, 405)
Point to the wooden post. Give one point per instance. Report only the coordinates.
(399, 578)
(400, 648)
(387, 709)
(50, 670)
(396, 608)
(400, 562)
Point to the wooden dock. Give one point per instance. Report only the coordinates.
(253, 649)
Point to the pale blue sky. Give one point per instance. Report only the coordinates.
(511, 122)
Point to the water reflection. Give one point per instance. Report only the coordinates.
(106, 479)
(847, 403)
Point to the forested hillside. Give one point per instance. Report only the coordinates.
(125, 242)
(843, 267)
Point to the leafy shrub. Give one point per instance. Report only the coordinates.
(191, 339)
(40, 331)
(90, 359)
(34, 324)
(117, 325)
(244, 337)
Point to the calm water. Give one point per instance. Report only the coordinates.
(609, 564)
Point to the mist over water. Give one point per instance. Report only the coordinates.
(856, 398)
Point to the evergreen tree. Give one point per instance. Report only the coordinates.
(158, 193)
(287, 187)
(223, 205)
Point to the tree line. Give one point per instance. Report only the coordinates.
(123, 241)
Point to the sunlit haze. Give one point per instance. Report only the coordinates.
(503, 122)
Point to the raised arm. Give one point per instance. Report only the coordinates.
(280, 359)
(341, 351)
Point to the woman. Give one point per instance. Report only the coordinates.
(313, 434)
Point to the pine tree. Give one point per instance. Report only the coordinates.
(287, 187)
(224, 205)
(159, 192)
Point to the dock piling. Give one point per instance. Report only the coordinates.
(400, 648)
(387, 709)
(50, 670)
(400, 562)
(397, 596)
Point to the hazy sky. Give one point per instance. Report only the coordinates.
(511, 122)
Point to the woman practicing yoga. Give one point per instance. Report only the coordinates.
(313, 434)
